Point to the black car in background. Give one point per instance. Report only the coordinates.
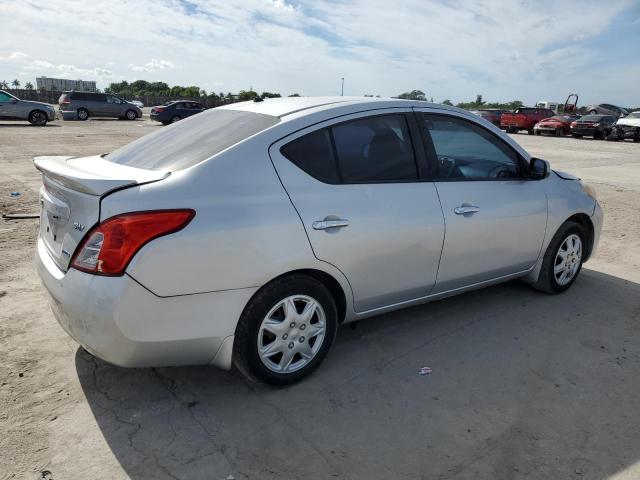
(176, 110)
(491, 114)
(596, 126)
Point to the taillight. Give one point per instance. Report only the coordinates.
(109, 247)
(157, 109)
(66, 101)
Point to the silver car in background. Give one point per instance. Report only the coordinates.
(606, 109)
(36, 113)
(246, 234)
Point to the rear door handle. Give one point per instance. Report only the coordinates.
(326, 224)
(465, 208)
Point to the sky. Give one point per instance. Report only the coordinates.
(450, 49)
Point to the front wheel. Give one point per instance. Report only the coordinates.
(38, 118)
(563, 259)
(285, 331)
(131, 115)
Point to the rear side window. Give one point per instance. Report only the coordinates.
(375, 149)
(192, 140)
(367, 150)
(313, 153)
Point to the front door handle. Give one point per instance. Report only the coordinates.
(465, 209)
(326, 224)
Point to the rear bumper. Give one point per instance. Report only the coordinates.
(121, 322)
(68, 114)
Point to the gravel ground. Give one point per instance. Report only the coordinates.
(524, 385)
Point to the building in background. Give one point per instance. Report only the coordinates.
(63, 84)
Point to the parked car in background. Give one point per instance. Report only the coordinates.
(553, 106)
(627, 127)
(172, 112)
(558, 125)
(523, 118)
(246, 234)
(491, 114)
(36, 113)
(596, 126)
(137, 103)
(82, 105)
(606, 109)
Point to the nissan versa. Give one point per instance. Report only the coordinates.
(246, 234)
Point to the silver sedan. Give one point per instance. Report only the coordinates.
(245, 235)
(36, 113)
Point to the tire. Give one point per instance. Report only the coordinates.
(287, 335)
(530, 132)
(165, 123)
(38, 118)
(537, 132)
(82, 114)
(130, 115)
(175, 118)
(593, 112)
(550, 280)
(559, 132)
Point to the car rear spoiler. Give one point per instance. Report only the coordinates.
(94, 175)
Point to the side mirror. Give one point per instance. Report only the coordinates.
(538, 169)
(14, 101)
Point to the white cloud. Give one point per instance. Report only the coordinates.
(153, 65)
(17, 55)
(450, 49)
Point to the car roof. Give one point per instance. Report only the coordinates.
(284, 106)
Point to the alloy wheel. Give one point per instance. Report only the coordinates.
(568, 259)
(291, 334)
(38, 118)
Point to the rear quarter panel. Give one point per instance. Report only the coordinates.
(245, 232)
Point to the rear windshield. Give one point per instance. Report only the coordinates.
(192, 140)
(592, 118)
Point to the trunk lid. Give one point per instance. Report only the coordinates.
(70, 198)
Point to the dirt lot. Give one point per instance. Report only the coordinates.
(524, 385)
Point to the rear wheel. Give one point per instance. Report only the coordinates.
(530, 132)
(593, 112)
(285, 331)
(131, 115)
(82, 114)
(563, 259)
(175, 119)
(38, 117)
(559, 132)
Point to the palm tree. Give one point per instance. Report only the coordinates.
(16, 83)
(28, 86)
(4, 85)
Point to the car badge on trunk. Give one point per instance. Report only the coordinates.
(78, 226)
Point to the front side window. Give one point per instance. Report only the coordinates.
(463, 150)
(5, 98)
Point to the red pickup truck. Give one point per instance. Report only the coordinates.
(523, 118)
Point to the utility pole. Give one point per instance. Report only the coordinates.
(342, 90)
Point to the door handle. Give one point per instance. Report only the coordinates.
(326, 224)
(465, 208)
